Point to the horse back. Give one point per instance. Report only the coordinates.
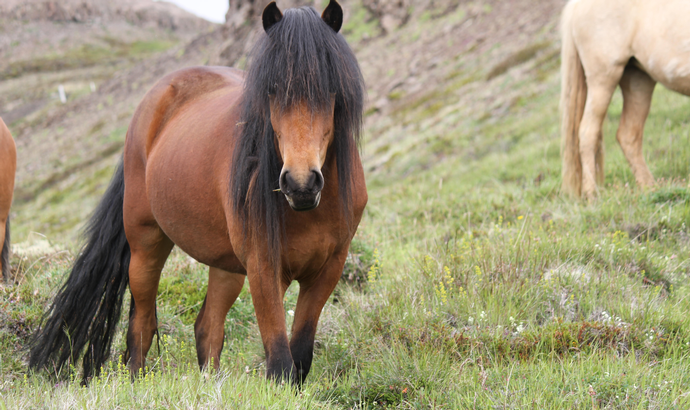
(173, 92)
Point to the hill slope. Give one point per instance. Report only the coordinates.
(440, 62)
(474, 284)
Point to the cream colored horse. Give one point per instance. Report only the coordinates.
(606, 43)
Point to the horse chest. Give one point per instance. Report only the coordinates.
(306, 254)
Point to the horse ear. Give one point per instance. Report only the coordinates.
(333, 15)
(271, 15)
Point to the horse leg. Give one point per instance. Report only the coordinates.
(5, 201)
(4, 270)
(600, 89)
(637, 87)
(313, 295)
(209, 328)
(150, 249)
(267, 291)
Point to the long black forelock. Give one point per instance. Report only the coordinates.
(299, 60)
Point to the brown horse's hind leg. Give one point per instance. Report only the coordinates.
(313, 295)
(209, 329)
(150, 248)
(637, 87)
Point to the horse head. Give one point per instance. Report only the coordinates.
(302, 138)
(302, 134)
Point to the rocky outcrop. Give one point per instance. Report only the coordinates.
(240, 12)
(394, 13)
(242, 26)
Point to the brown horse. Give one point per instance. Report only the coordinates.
(634, 44)
(254, 175)
(8, 166)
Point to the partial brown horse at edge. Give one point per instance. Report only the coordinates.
(8, 167)
(634, 44)
(256, 175)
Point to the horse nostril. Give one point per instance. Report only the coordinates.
(317, 181)
(283, 183)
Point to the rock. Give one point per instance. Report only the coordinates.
(394, 13)
(391, 13)
(242, 11)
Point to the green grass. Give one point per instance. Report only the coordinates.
(472, 282)
(491, 290)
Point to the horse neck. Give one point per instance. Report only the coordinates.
(330, 174)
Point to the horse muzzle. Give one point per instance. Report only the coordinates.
(302, 196)
(301, 203)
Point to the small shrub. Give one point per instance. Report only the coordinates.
(359, 263)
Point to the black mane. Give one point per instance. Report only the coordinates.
(299, 59)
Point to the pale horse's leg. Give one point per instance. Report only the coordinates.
(600, 87)
(637, 87)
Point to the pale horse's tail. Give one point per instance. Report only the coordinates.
(572, 106)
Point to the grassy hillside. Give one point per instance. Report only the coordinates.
(480, 285)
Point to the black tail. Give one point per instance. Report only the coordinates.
(5, 253)
(86, 310)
